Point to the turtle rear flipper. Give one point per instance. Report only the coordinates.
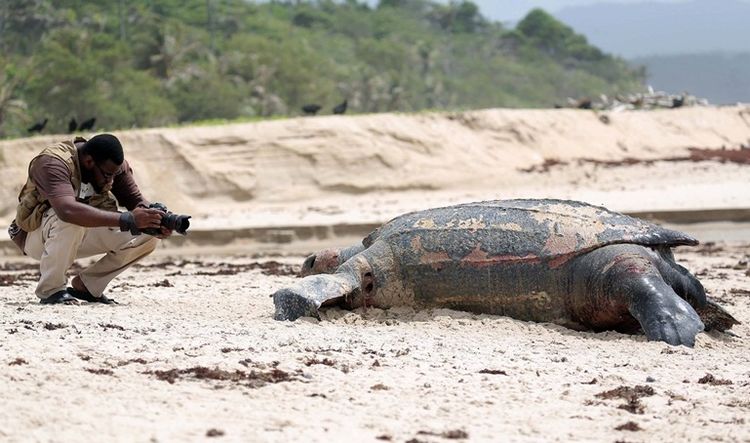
(664, 315)
(685, 284)
(690, 288)
(631, 280)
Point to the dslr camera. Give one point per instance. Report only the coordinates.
(176, 222)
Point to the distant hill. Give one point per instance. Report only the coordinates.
(648, 28)
(722, 78)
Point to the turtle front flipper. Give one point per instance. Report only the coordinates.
(352, 285)
(304, 298)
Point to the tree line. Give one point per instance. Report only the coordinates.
(146, 63)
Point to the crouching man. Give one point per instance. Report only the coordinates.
(66, 210)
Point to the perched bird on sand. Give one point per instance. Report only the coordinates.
(341, 108)
(72, 125)
(38, 126)
(87, 125)
(311, 109)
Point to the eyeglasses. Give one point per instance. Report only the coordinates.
(107, 175)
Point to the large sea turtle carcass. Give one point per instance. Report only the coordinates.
(562, 262)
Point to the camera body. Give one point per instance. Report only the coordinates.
(176, 222)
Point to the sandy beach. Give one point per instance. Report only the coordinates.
(192, 353)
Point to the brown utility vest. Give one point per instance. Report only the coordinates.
(31, 205)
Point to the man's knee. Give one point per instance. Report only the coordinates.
(148, 244)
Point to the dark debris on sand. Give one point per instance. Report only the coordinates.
(631, 395)
(629, 426)
(228, 350)
(627, 392)
(493, 371)
(739, 156)
(266, 268)
(17, 266)
(53, 326)
(162, 284)
(454, 434)
(213, 432)
(138, 360)
(100, 371)
(309, 361)
(18, 279)
(111, 326)
(709, 379)
(252, 379)
(270, 267)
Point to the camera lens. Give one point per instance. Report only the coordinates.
(176, 222)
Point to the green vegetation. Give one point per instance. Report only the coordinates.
(140, 63)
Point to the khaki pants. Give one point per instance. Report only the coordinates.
(56, 244)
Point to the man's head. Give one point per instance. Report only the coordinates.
(101, 157)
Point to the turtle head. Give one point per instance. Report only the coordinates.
(321, 262)
(328, 261)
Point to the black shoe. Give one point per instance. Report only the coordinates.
(89, 297)
(59, 297)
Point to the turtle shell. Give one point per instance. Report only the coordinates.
(519, 230)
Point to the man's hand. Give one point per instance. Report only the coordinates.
(147, 218)
(164, 233)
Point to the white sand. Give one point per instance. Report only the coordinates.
(396, 375)
(381, 373)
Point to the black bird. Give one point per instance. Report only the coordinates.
(87, 125)
(311, 109)
(341, 108)
(72, 124)
(38, 126)
(584, 103)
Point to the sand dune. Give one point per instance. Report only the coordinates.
(250, 167)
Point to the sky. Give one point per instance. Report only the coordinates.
(514, 10)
